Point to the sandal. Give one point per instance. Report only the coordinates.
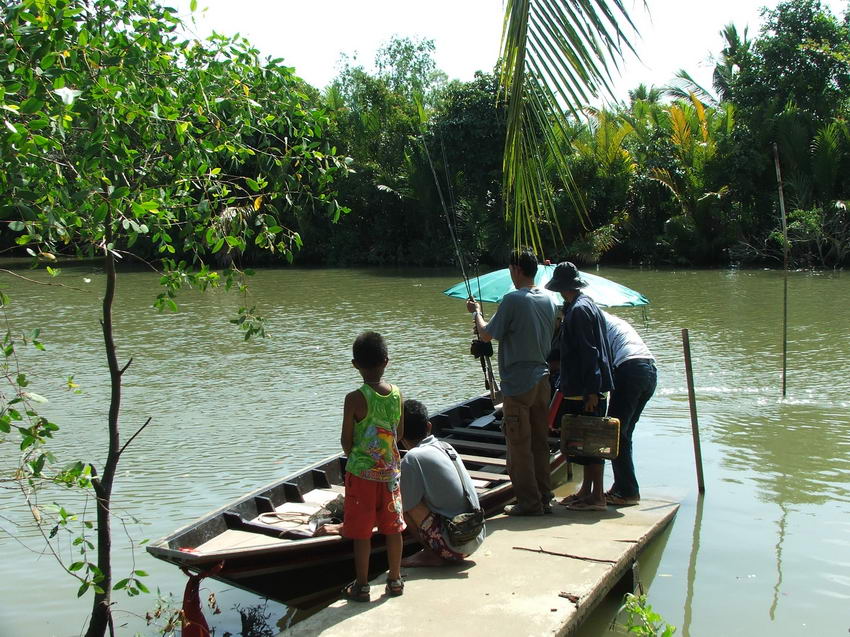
(616, 499)
(356, 592)
(394, 587)
(575, 497)
(581, 505)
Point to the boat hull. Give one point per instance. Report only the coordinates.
(307, 571)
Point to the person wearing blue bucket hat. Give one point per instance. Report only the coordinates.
(586, 376)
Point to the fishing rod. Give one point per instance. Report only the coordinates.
(481, 350)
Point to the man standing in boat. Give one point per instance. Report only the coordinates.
(435, 487)
(523, 325)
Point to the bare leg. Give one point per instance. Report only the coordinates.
(394, 545)
(593, 475)
(362, 548)
(425, 557)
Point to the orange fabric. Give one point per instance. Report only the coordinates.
(369, 504)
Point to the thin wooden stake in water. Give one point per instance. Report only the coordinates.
(785, 269)
(692, 401)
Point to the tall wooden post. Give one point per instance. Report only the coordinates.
(689, 371)
(784, 269)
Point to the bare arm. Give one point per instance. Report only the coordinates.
(473, 307)
(399, 432)
(346, 439)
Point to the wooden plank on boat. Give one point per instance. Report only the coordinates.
(483, 433)
(476, 445)
(496, 462)
(490, 477)
(482, 421)
(231, 539)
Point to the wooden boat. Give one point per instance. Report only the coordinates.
(249, 544)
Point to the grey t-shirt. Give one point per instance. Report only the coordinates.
(523, 325)
(427, 473)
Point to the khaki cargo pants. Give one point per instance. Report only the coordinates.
(526, 431)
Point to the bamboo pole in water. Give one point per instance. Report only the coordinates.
(784, 269)
(689, 371)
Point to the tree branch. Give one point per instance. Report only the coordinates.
(59, 285)
(133, 437)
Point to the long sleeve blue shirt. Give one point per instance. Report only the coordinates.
(585, 353)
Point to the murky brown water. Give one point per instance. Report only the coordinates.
(766, 552)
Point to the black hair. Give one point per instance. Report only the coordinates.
(526, 260)
(415, 420)
(369, 350)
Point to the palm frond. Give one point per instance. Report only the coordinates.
(556, 55)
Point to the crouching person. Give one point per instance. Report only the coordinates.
(435, 487)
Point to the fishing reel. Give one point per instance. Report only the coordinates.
(481, 348)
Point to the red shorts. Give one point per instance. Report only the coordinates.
(369, 504)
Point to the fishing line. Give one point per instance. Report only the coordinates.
(448, 219)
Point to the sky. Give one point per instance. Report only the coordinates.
(310, 35)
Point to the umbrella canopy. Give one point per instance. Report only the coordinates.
(493, 286)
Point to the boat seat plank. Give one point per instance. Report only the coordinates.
(305, 508)
(459, 443)
(232, 539)
(490, 477)
(496, 462)
(320, 496)
(483, 433)
(482, 421)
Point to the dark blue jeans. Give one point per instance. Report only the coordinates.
(634, 384)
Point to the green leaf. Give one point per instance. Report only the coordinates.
(218, 245)
(17, 226)
(31, 105)
(121, 584)
(76, 566)
(252, 184)
(193, 5)
(83, 588)
(140, 573)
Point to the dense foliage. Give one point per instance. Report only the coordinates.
(679, 175)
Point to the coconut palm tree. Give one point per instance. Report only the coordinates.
(556, 56)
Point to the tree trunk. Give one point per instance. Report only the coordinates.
(101, 616)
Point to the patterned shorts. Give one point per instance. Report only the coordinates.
(369, 504)
(433, 533)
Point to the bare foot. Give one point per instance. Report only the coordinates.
(424, 558)
(328, 529)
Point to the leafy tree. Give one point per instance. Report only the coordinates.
(409, 69)
(799, 57)
(120, 139)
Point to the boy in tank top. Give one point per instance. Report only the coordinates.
(372, 423)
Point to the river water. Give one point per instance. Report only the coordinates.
(765, 551)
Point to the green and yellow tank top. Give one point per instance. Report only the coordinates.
(374, 454)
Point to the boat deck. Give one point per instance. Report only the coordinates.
(520, 582)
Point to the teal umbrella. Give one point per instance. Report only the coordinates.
(493, 286)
